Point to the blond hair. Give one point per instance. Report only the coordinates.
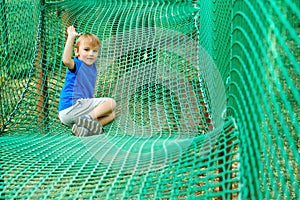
(89, 38)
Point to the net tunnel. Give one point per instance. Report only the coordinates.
(207, 99)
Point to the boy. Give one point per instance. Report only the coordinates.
(77, 107)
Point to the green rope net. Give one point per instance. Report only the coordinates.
(207, 99)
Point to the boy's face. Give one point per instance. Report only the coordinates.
(87, 53)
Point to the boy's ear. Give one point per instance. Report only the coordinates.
(76, 52)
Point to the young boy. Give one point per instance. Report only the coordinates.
(77, 107)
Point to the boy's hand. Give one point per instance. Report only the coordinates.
(67, 55)
(72, 32)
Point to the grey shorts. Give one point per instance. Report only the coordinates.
(81, 107)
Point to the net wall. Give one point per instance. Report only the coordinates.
(207, 95)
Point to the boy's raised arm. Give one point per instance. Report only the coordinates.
(68, 51)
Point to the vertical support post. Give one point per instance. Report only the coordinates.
(42, 86)
(5, 36)
(5, 29)
(5, 41)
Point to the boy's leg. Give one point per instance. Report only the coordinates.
(104, 112)
(92, 124)
(106, 119)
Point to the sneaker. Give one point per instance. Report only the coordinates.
(93, 126)
(80, 131)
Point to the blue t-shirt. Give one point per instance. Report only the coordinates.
(79, 84)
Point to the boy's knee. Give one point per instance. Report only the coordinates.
(113, 114)
(112, 103)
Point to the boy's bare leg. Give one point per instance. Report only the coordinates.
(104, 112)
(106, 119)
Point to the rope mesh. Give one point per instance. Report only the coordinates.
(207, 100)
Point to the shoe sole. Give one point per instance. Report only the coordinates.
(80, 131)
(94, 127)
